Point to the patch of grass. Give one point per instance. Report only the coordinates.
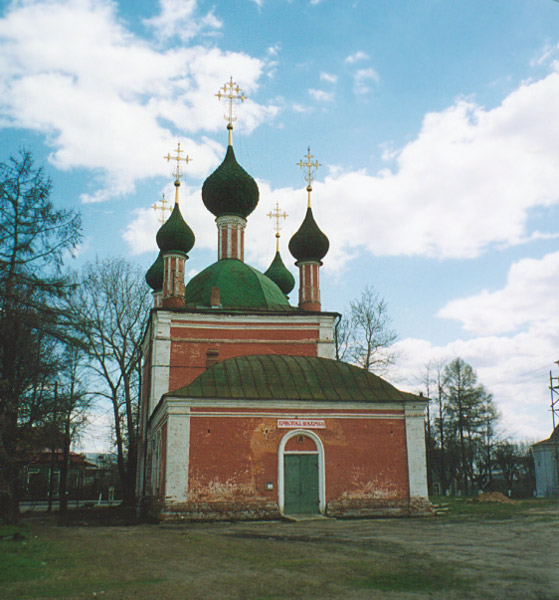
(406, 576)
(48, 564)
(84, 587)
(325, 561)
(25, 558)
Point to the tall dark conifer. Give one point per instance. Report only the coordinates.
(34, 235)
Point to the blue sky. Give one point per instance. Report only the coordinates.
(436, 122)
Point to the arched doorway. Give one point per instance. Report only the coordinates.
(301, 473)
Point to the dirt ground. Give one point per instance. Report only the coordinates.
(440, 558)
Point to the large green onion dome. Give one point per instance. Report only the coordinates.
(154, 275)
(280, 275)
(230, 190)
(175, 235)
(309, 243)
(240, 287)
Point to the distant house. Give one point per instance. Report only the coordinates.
(546, 460)
(46, 465)
(89, 475)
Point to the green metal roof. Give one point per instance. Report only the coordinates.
(230, 190)
(308, 242)
(154, 275)
(240, 287)
(175, 235)
(280, 275)
(282, 377)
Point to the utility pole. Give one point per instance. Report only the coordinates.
(554, 390)
(54, 442)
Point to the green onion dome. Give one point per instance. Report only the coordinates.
(175, 235)
(230, 190)
(280, 275)
(154, 275)
(240, 287)
(309, 243)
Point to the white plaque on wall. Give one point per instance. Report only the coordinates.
(302, 423)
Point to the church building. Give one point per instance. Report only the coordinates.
(245, 413)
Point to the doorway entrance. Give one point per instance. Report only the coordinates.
(301, 484)
(301, 474)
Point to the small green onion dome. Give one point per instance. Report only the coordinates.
(175, 235)
(230, 190)
(240, 287)
(309, 243)
(154, 275)
(280, 275)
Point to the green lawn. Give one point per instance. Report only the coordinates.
(393, 559)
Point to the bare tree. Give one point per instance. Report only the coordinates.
(365, 336)
(73, 405)
(441, 454)
(342, 337)
(110, 309)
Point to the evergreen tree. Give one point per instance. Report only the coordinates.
(468, 412)
(33, 238)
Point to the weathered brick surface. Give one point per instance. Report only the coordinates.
(190, 345)
(388, 507)
(220, 511)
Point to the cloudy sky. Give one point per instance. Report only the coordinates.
(436, 124)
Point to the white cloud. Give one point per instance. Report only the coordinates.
(467, 182)
(512, 362)
(361, 79)
(300, 108)
(514, 369)
(321, 95)
(549, 51)
(179, 18)
(328, 77)
(114, 103)
(358, 56)
(530, 296)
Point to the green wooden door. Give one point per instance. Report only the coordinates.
(300, 484)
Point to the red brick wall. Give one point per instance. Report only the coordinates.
(188, 357)
(366, 459)
(232, 459)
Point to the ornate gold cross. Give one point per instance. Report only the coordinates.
(311, 170)
(164, 207)
(277, 215)
(231, 92)
(177, 174)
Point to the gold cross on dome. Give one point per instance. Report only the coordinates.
(231, 92)
(163, 207)
(177, 174)
(310, 166)
(311, 170)
(277, 215)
